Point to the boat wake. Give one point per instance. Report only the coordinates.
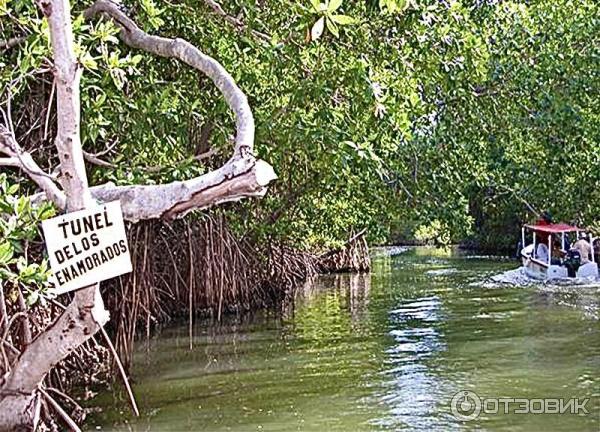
(518, 277)
(442, 272)
(510, 277)
(383, 251)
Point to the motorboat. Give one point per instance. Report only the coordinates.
(542, 261)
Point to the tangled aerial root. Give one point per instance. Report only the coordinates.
(187, 267)
(181, 269)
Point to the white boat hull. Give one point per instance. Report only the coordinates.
(588, 271)
(539, 270)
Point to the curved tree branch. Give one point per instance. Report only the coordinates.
(182, 50)
(20, 159)
(242, 176)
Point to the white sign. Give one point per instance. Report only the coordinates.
(86, 247)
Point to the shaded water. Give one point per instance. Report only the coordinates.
(385, 351)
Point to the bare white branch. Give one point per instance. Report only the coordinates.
(20, 159)
(93, 159)
(182, 50)
(232, 182)
(11, 161)
(242, 176)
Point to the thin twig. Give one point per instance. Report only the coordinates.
(3, 312)
(191, 287)
(25, 330)
(64, 396)
(49, 109)
(108, 149)
(112, 349)
(97, 161)
(200, 157)
(520, 198)
(235, 22)
(61, 412)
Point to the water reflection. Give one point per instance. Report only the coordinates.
(411, 386)
(352, 290)
(586, 299)
(384, 351)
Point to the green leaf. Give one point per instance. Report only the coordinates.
(334, 5)
(89, 62)
(32, 298)
(414, 99)
(393, 6)
(332, 27)
(13, 189)
(136, 59)
(6, 253)
(343, 19)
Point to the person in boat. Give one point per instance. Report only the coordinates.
(572, 262)
(545, 219)
(541, 249)
(567, 244)
(583, 247)
(541, 252)
(557, 252)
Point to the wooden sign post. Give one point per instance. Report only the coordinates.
(86, 247)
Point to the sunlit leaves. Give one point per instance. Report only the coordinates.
(328, 18)
(6, 253)
(419, 113)
(104, 31)
(4, 10)
(343, 19)
(152, 13)
(394, 6)
(18, 225)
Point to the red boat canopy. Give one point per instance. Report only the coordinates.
(553, 228)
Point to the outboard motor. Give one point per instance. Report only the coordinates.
(518, 252)
(573, 262)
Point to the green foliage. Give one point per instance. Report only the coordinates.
(394, 6)
(18, 226)
(328, 17)
(391, 114)
(434, 233)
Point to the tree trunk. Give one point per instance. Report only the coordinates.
(242, 176)
(86, 313)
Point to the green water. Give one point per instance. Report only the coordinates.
(385, 351)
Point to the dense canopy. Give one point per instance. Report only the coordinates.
(444, 120)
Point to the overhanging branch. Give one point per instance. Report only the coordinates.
(20, 159)
(242, 176)
(184, 51)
